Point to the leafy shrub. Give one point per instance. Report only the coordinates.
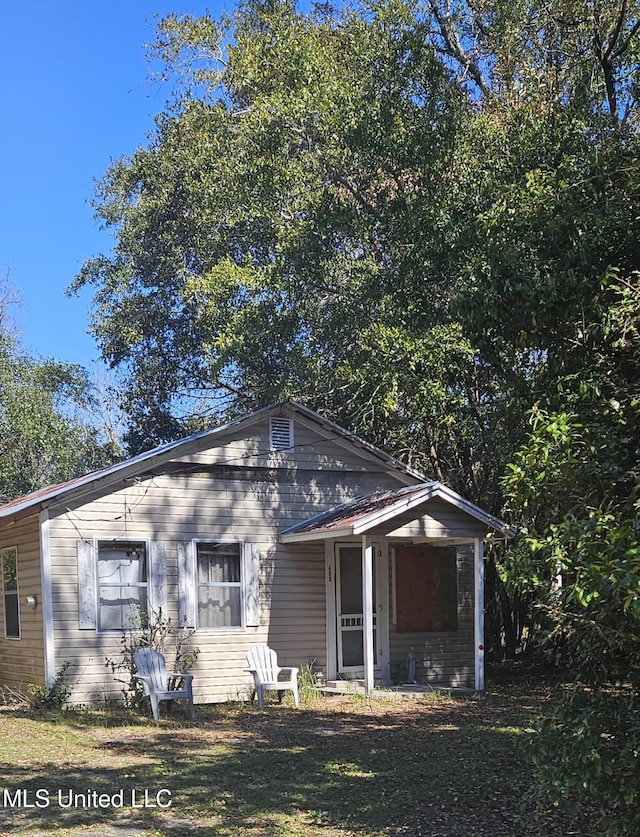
(52, 697)
(160, 633)
(588, 754)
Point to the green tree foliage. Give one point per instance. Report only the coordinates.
(44, 433)
(548, 237)
(401, 215)
(287, 233)
(577, 56)
(420, 219)
(575, 485)
(323, 200)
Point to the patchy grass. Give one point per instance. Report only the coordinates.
(340, 767)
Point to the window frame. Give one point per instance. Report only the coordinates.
(113, 542)
(239, 584)
(13, 594)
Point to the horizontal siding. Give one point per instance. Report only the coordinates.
(170, 504)
(296, 630)
(256, 497)
(314, 449)
(440, 520)
(442, 659)
(22, 660)
(179, 508)
(292, 583)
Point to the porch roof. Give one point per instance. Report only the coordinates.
(389, 509)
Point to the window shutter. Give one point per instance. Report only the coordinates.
(251, 571)
(86, 585)
(280, 434)
(186, 584)
(158, 579)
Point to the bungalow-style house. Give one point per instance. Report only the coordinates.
(279, 527)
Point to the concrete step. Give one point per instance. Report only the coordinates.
(343, 687)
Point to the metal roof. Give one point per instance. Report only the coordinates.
(362, 514)
(142, 463)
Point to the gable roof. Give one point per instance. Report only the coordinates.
(363, 514)
(144, 462)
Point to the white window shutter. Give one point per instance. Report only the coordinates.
(87, 601)
(157, 575)
(186, 584)
(251, 574)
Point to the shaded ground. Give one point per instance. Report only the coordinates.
(343, 767)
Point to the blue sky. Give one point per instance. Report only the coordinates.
(75, 95)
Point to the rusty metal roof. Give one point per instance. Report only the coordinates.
(362, 514)
(358, 509)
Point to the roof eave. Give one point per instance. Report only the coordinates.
(475, 511)
(401, 506)
(318, 535)
(358, 441)
(136, 466)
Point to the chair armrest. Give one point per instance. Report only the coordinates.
(146, 682)
(144, 677)
(293, 670)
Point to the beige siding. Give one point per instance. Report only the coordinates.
(313, 450)
(22, 660)
(177, 507)
(440, 520)
(241, 492)
(442, 659)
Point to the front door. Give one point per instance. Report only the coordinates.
(349, 612)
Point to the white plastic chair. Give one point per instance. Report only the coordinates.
(151, 671)
(269, 676)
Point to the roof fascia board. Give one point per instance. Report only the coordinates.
(130, 468)
(475, 511)
(402, 506)
(137, 466)
(318, 535)
(331, 431)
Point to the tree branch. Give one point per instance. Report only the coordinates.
(455, 50)
(604, 59)
(617, 30)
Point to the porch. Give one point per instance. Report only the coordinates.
(404, 576)
(402, 690)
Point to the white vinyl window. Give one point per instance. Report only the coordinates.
(219, 585)
(122, 584)
(10, 590)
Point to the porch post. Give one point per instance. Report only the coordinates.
(367, 605)
(478, 606)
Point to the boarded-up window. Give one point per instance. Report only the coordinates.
(426, 589)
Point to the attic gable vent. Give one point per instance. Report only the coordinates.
(280, 434)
